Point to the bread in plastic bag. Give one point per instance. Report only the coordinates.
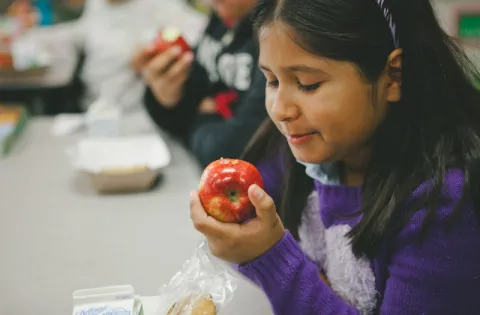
(203, 286)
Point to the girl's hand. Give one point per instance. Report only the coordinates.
(240, 243)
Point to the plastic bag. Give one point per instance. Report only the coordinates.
(203, 286)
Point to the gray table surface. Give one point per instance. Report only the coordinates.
(57, 235)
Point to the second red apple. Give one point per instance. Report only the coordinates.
(168, 38)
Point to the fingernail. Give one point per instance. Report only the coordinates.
(193, 194)
(176, 51)
(258, 192)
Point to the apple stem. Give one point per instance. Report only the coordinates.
(232, 195)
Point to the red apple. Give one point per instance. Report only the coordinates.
(224, 190)
(168, 38)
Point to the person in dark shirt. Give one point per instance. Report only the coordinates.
(211, 98)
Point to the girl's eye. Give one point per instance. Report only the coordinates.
(273, 83)
(305, 88)
(308, 88)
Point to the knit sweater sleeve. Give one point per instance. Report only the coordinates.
(292, 283)
(439, 275)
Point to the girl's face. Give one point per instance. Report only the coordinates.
(323, 107)
(233, 10)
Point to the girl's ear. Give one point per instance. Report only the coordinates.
(394, 72)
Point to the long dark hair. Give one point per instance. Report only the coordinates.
(434, 127)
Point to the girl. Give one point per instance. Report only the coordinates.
(377, 103)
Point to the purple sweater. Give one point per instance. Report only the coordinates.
(439, 276)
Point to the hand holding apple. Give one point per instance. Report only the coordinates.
(166, 75)
(165, 66)
(233, 242)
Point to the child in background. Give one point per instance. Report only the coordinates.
(382, 167)
(211, 99)
(109, 32)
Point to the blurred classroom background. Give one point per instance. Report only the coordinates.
(58, 232)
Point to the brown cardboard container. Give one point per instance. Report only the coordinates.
(129, 180)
